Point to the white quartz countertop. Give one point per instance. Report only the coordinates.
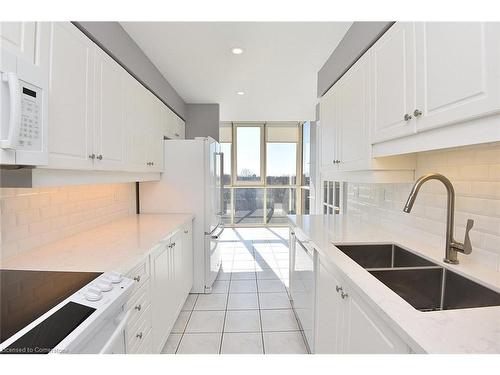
(115, 246)
(475, 330)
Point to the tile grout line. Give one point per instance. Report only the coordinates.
(184, 330)
(260, 314)
(225, 311)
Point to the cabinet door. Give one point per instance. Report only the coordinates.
(354, 144)
(366, 333)
(70, 98)
(393, 83)
(329, 123)
(136, 130)
(19, 38)
(329, 309)
(163, 297)
(458, 71)
(155, 134)
(187, 245)
(180, 131)
(109, 134)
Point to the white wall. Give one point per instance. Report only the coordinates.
(475, 174)
(37, 216)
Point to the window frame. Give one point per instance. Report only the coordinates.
(234, 148)
(262, 183)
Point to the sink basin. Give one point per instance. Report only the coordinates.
(423, 284)
(383, 256)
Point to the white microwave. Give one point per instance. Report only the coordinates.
(23, 110)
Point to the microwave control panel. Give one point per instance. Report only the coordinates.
(30, 129)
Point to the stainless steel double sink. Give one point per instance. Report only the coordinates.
(423, 284)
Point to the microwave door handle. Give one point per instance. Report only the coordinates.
(14, 110)
(117, 332)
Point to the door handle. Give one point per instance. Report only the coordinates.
(14, 110)
(216, 236)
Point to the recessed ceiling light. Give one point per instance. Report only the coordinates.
(237, 51)
(240, 93)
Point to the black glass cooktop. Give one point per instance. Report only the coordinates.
(26, 295)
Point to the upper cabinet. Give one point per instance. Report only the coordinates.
(345, 118)
(109, 127)
(458, 72)
(421, 86)
(393, 83)
(71, 100)
(100, 117)
(435, 85)
(19, 38)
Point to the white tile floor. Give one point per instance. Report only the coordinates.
(249, 310)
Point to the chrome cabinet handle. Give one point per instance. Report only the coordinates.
(417, 113)
(186, 231)
(338, 288)
(92, 156)
(407, 117)
(138, 307)
(344, 295)
(173, 245)
(99, 157)
(137, 278)
(139, 335)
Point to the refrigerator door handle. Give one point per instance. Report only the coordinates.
(216, 236)
(213, 230)
(221, 154)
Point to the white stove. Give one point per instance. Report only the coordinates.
(90, 320)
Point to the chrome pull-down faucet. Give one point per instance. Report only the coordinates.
(452, 246)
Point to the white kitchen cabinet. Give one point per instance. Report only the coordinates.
(329, 122)
(353, 115)
(346, 324)
(329, 313)
(458, 72)
(365, 332)
(345, 133)
(188, 261)
(109, 129)
(163, 293)
(392, 75)
(19, 38)
(71, 104)
(174, 126)
(455, 93)
(180, 128)
(135, 110)
(171, 281)
(100, 117)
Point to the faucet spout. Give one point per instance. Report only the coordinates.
(452, 246)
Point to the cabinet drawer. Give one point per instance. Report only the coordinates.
(136, 333)
(140, 274)
(138, 303)
(146, 347)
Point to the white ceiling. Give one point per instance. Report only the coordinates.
(277, 71)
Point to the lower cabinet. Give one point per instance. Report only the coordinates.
(346, 324)
(163, 282)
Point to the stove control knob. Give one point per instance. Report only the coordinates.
(103, 285)
(92, 294)
(114, 277)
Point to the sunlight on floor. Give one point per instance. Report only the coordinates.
(249, 310)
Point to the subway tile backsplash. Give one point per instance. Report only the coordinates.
(475, 174)
(34, 217)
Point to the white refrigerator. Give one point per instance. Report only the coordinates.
(192, 183)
